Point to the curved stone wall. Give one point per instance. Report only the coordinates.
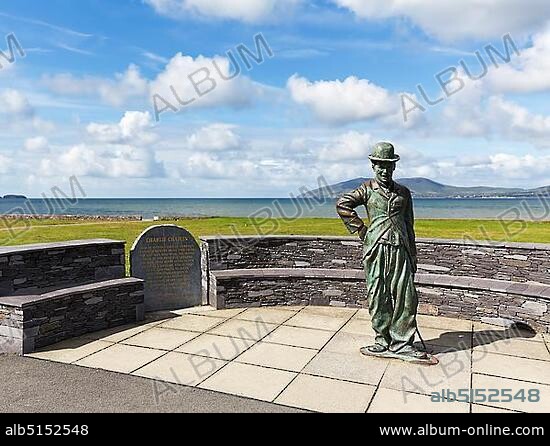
(478, 281)
(518, 262)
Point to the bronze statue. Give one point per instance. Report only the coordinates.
(389, 257)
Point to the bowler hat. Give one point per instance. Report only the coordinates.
(383, 151)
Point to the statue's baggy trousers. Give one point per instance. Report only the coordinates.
(389, 259)
(391, 296)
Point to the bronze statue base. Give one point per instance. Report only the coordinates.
(429, 360)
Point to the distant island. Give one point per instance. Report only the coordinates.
(13, 197)
(426, 188)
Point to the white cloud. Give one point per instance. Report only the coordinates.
(120, 161)
(6, 164)
(155, 57)
(500, 168)
(520, 166)
(18, 114)
(121, 150)
(116, 92)
(345, 156)
(37, 144)
(348, 146)
(126, 85)
(250, 11)
(214, 137)
(184, 82)
(526, 72)
(464, 113)
(133, 128)
(518, 122)
(15, 103)
(474, 112)
(199, 82)
(452, 19)
(67, 84)
(339, 102)
(208, 165)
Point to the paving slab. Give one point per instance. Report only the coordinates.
(70, 350)
(395, 401)
(269, 315)
(348, 343)
(180, 368)
(294, 308)
(193, 322)
(457, 339)
(214, 346)
(452, 372)
(516, 347)
(492, 382)
(495, 331)
(362, 313)
(253, 330)
(249, 380)
(121, 358)
(277, 356)
(348, 367)
(117, 334)
(317, 321)
(336, 312)
(443, 323)
(161, 338)
(299, 337)
(359, 326)
(532, 370)
(326, 395)
(208, 310)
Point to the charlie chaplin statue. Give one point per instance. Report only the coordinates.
(389, 257)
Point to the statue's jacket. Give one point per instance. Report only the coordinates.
(390, 214)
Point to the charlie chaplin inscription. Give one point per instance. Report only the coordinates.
(167, 257)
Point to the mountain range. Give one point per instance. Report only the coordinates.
(426, 188)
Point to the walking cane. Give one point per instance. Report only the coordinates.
(421, 340)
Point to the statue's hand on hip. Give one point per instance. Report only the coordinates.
(362, 232)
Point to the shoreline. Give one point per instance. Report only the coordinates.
(161, 218)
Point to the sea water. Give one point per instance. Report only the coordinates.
(493, 208)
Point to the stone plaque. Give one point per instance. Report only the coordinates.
(168, 258)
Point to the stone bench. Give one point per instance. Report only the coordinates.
(55, 291)
(34, 321)
(474, 298)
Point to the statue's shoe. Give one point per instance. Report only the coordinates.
(412, 356)
(375, 349)
(415, 356)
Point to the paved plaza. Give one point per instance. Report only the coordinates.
(308, 358)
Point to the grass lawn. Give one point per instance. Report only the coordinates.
(51, 230)
(57, 230)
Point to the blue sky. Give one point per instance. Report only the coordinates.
(80, 101)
